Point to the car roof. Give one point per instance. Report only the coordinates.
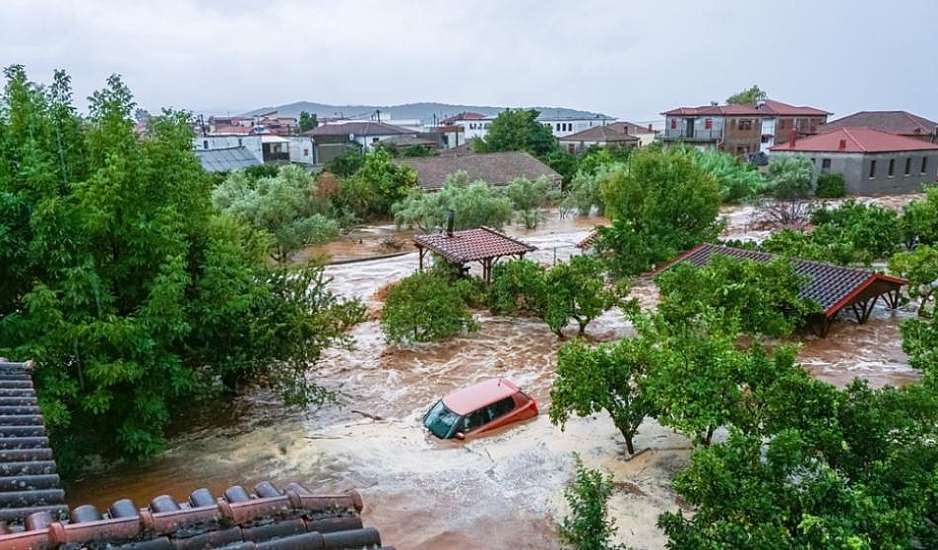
(476, 396)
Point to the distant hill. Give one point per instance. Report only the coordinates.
(423, 111)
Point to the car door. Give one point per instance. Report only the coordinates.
(498, 413)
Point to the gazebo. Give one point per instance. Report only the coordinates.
(833, 287)
(484, 245)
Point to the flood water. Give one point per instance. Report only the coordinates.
(501, 491)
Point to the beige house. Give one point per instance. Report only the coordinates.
(597, 136)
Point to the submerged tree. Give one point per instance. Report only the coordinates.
(589, 527)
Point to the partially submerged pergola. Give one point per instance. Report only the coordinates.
(484, 245)
(833, 287)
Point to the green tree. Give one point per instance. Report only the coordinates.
(585, 192)
(749, 96)
(562, 162)
(764, 296)
(518, 287)
(376, 186)
(425, 307)
(308, 121)
(791, 178)
(605, 378)
(287, 206)
(920, 267)
(517, 130)
(919, 220)
(588, 527)
(661, 203)
(577, 290)
(528, 198)
(132, 294)
(474, 204)
(347, 164)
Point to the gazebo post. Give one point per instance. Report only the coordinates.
(420, 254)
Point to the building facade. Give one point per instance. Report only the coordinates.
(597, 136)
(871, 162)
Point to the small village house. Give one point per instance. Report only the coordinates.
(646, 134)
(598, 136)
(496, 169)
(872, 162)
(332, 140)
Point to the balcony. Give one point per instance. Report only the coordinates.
(697, 137)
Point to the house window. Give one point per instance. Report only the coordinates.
(708, 124)
(558, 126)
(674, 124)
(305, 152)
(745, 125)
(924, 164)
(571, 148)
(239, 142)
(872, 169)
(205, 146)
(374, 140)
(908, 166)
(825, 165)
(781, 124)
(892, 167)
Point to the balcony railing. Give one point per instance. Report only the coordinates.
(699, 135)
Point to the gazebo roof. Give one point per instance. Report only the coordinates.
(833, 287)
(473, 245)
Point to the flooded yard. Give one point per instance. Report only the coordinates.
(500, 491)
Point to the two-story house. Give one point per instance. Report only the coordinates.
(741, 129)
(735, 129)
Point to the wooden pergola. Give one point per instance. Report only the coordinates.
(484, 245)
(833, 287)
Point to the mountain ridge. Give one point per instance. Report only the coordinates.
(424, 110)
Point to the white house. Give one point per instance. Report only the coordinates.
(562, 126)
(229, 141)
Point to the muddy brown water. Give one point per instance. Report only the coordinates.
(504, 490)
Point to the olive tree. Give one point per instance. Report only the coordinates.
(425, 307)
(473, 204)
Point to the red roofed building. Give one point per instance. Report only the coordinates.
(740, 129)
(872, 162)
(901, 123)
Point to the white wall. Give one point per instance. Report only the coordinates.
(302, 150)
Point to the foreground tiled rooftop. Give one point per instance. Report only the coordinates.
(28, 479)
(268, 519)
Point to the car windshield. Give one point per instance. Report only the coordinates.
(440, 420)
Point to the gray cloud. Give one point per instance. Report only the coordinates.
(627, 58)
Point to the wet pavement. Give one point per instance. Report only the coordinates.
(501, 491)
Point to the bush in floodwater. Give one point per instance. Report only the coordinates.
(588, 527)
(830, 186)
(426, 307)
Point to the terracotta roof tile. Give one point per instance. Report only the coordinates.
(600, 133)
(268, 519)
(473, 244)
(856, 140)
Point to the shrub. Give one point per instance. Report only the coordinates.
(920, 267)
(920, 219)
(830, 186)
(791, 178)
(378, 184)
(473, 204)
(737, 180)
(517, 287)
(425, 307)
(873, 231)
(588, 528)
(584, 193)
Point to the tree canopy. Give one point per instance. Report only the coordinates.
(130, 291)
(474, 204)
(517, 130)
(749, 96)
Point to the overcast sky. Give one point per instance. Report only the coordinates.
(627, 58)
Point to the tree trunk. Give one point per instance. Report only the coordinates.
(709, 436)
(628, 444)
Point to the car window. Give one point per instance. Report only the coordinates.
(475, 419)
(500, 408)
(440, 420)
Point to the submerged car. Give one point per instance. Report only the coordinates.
(479, 408)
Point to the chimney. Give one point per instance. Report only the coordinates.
(450, 222)
(843, 145)
(649, 128)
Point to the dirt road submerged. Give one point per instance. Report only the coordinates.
(501, 491)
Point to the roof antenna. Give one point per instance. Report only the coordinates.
(450, 222)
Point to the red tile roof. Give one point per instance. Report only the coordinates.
(856, 140)
(473, 244)
(493, 168)
(293, 518)
(630, 128)
(463, 116)
(894, 122)
(833, 287)
(777, 108)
